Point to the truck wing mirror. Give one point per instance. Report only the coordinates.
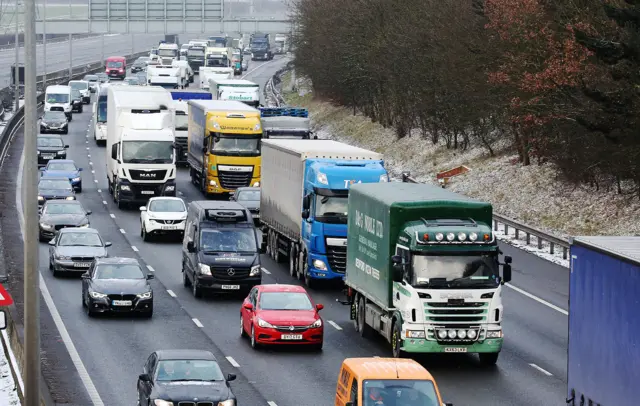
(114, 151)
(396, 259)
(508, 259)
(506, 273)
(398, 273)
(305, 214)
(306, 202)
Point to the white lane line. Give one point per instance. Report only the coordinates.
(133, 247)
(86, 142)
(99, 190)
(105, 202)
(544, 371)
(272, 404)
(537, 299)
(87, 148)
(55, 315)
(95, 180)
(170, 292)
(93, 171)
(334, 324)
(90, 163)
(122, 231)
(151, 268)
(265, 270)
(197, 323)
(89, 156)
(233, 362)
(112, 215)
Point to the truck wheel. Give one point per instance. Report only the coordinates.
(276, 249)
(293, 259)
(363, 327)
(203, 184)
(488, 359)
(268, 247)
(396, 341)
(302, 260)
(354, 313)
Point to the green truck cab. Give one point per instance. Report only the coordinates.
(423, 270)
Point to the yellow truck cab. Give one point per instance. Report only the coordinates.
(224, 145)
(386, 381)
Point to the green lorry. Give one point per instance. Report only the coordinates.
(423, 270)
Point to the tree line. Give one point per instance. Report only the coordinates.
(557, 79)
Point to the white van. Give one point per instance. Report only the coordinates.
(58, 98)
(84, 88)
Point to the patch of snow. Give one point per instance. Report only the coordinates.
(8, 388)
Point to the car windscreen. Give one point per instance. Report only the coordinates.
(54, 115)
(49, 142)
(91, 78)
(57, 98)
(189, 370)
(249, 195)
(53, 208)
(61, 184)
(72, 239)
(228, 240)
(166, 206)
(113, 64)
(401, 392)
(285, 301)
(61, 166)
(119, 271)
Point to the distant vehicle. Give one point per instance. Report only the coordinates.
(245, 64)
(131, 81)
(54, 121)
(103, 77)
(183, 49)
(53, 188)
(281, 314)
(83, 87)
(64, 168)
(140, 64)
(58, 98)
(248, 197)
(142, 78)
(50, 147)
(74, 249)
(93, 82)
(117, 285)
(76, 101)
(172, 377)
(59, 214)
(163, 215)
(116, 67)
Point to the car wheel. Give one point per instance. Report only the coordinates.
(41, 238)
(145, 236)
(254, 344)
(65, 131)
(148, 314)
(50, 264)
(242, 332)
(195, 289)
(185, 279)
(84, 303)
(317, 347)
(90, 312)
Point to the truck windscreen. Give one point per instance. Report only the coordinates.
(157, 152)
(227, 145)
(460, 271)
(331, 209)
(239, 240)
(168, 53)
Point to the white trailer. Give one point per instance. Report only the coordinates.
(236, 90)
(207, 72)
(286, 127)
(166, 76)
(140, 137)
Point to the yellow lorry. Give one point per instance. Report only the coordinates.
(224, 146)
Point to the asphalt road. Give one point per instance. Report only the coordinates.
(531, 369)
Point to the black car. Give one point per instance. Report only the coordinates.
(184, 377)
(93, 82)
(54, 188)
(76, 101)
(117, 285)
(75, 249)
(140, 64)
(249, 197)
(50, 147)
(54, 121)
(59, 214)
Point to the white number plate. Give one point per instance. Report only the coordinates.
(47, 156)
(231, 287)
(147, 192)
(455, 349)
(82, 264)
(256, 216)
(291, 337)
(121, 302)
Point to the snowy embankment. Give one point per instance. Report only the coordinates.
(534, 195)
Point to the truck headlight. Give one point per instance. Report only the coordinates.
(264, 324)
(40, 198)
(255, 270)
(415, 334)
(319, 265)
(170, 188)
(160, 402)
(229, 402)
(125, 187)
(442, 334)
(213, 183)
(71, 198)
(204, 269)
(256, 184)
(76, 179)
(494, 334)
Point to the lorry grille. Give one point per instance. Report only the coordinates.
(149, 189)
(456, 312)
(147, 175)
(337, 257)
(233, 180)
(222, 274)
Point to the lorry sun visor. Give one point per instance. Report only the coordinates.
(331, 192)
(226, 215)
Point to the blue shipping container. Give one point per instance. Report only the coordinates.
(604, 321)
(186, 95)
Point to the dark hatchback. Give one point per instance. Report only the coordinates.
(184, 378)
(76, 101)
(75, 249)
(140, 64)
(93, 82)
(50, 147)
(248, 197)
(117, 285)
(54, 121)
(54, 188)
(59, 214)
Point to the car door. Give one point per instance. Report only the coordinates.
(247, 316)
(145, 388)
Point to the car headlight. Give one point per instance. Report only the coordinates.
(494, 334)
(319, 265)
(97, 295)
(146, 295)
(63, 257)
(40, 198)
(84, 226)
(170, 188)
(61, 152)
(125, 187)
(76, 179)
(46, 226)
(316, 324)
(71, 198)
(415, 334)
(255, 270)
(229, 402)
(204, 269)
(160, 402)
(264, 324)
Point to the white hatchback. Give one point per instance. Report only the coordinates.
(163, 216)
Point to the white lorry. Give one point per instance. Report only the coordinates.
(208, 72)
(281, 43)
(58, 98)
(235, 89)
(167, 53)
(185, 71)
(140, 137)
(166, 76)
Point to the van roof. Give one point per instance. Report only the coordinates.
(387, 368)
(58, 88)
(116, 58)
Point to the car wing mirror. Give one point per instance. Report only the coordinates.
(52, 242)
(231, 377)
(144, 378)
(89, 212)
(86, 276)
(150, 276)
(319, 307)
(248, 306)
(66, 146)
(108, 244)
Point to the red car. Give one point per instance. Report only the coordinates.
(281, 314)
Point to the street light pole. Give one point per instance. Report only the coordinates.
(70, 56)
(44, 45)
(31, 371)
(16, 80)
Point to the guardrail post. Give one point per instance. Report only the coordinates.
(495, 225)
(528, 238)
(551, 248)
(517, 233)
(506, 229)
(565, 253)
(539, 242)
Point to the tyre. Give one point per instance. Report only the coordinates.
(293, 260)
(363, 328)
(254, 343)
(242, 332)
(488, 359)
(79, 190)
(396, 341)
(277, 257)
(145, 236)
(185, 279)
(195, 289)
(317, 347)
(66, 131)
(308, 281)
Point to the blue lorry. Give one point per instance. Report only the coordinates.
(180, 99)
(303, 204)
(604, 324)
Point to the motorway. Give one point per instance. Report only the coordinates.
(531, 369)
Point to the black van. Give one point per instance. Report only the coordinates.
(221, 248)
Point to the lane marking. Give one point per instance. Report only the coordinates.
(170, 292)
(197, 323)
(133, 247)
(93, 171)
(89, 156)
(104, 202)
(265, 270)
(544, 371)
(122, 231)
(112, 215)
(90, 163)
(151, 268)
(272, 404)
(95, 180)
(55, 315)
(99, 190)
(334, 324)
(87, 148)
(233, 362)
(537, 299)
